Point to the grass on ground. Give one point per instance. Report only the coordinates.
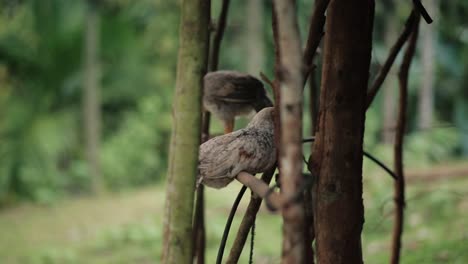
(126, 228)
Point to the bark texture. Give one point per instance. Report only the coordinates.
(337, 157)
(91, 96)
(185, 139)
(291, 84)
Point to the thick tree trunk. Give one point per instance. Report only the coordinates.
(91, 96)
(254, 38)
(291, 83)
(185, 139)
(426, 92)
(337, 157)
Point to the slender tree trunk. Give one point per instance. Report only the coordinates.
(291, 84)
(398, 148)
(91, 96)
(426, 91)
(337, 157)
(185, 139)
(254, 38)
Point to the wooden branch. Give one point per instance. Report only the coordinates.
(381, 164)
(247, 221)
(261, 189)
(422, 11)
(218, 36)
(222, 245)
(315, 34)
(398, 150)
(291, 88)
(377, 83)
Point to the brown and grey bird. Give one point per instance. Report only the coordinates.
(251, 149)
(228, 94)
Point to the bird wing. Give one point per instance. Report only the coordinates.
(216, 155)
(230, 154)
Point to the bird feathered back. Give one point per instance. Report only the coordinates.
(250, 149)
(235, 88)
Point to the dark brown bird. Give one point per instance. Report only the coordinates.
(228, 94)
(251, 149)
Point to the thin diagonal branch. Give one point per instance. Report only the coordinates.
(422, 10)
(315, 34)
(377, 83)
(398, 150)
(218, 36)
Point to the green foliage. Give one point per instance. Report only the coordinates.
(41, 46)
(41, 78)
(136, 154)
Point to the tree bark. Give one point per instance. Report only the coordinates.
(291, 84)
(254, 38)
(185, 139)
(337, 157)
(91, 96)
(426, 91)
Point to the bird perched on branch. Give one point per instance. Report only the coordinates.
(228, 94)
(251, 149)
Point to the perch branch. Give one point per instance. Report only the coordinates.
(377, 83)
(247, 221)
(261, 189)
(398, 149)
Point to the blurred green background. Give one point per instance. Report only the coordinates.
(49, 210)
